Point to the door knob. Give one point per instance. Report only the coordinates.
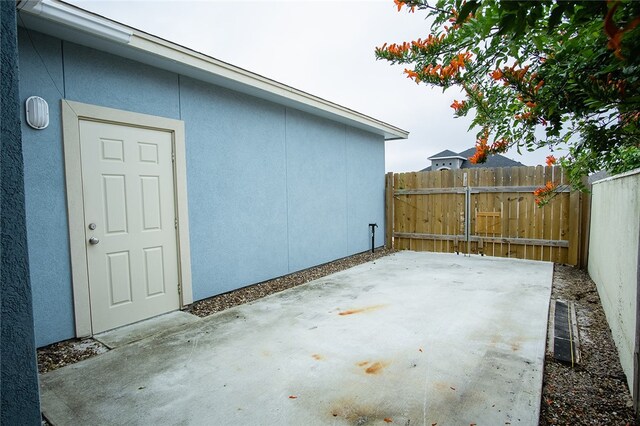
(93, 241)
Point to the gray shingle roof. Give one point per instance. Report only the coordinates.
(445, 153)
(495, 160)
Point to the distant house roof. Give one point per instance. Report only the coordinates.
(446, 154)
(495, 160)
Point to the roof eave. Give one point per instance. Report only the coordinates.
(447, 158)
(79, 26)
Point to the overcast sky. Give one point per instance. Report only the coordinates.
(322, 47)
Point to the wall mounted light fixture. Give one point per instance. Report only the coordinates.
(37, 112)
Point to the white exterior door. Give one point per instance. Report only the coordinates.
(130, 223)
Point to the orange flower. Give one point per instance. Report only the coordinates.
(497, 74)
(614, 33)
(397, 50)
(400, 3)
(429, 41)
(499, 146)
(412, 75)
(544, 194)
(482, 149)
(439, 70)
(551, 160)
(458, 105)
(526, 116)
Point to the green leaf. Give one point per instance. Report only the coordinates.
(507, 23)
(520, 25)
(538, 41)
(555, 16)
(467, 8)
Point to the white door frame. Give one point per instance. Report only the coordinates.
(72, 113)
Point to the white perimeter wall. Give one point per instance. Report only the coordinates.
(613, 257)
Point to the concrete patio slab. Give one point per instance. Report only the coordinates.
(143, 329)
(412, 338)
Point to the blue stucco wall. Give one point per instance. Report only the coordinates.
(271, 190)
(316, 184)
(365, 189)
(19, 398)
(236, 176)
(101, 79)
(45, 192)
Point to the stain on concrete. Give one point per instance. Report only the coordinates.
(361, 310)
(372, 367)
(317, 357)
(376, 367)
(442, 386)
(358, 414)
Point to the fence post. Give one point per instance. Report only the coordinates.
(388, 213)
(574, 230)
(467, 212)
(585, 226)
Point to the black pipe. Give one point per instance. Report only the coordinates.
(373, 227)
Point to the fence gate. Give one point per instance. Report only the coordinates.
(486, 211)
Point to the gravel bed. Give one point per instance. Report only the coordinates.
(224, 301)
(68, 352)
(593, 392)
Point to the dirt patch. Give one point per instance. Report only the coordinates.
(595, 391)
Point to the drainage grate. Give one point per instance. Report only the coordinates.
(563, 338)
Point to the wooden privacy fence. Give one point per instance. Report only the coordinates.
(486, 211)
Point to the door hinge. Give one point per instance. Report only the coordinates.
(173, 156)
(175, 223)
(179, 289)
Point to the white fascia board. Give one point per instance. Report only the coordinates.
(447, 158)
(76, 18)
(91, 30)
